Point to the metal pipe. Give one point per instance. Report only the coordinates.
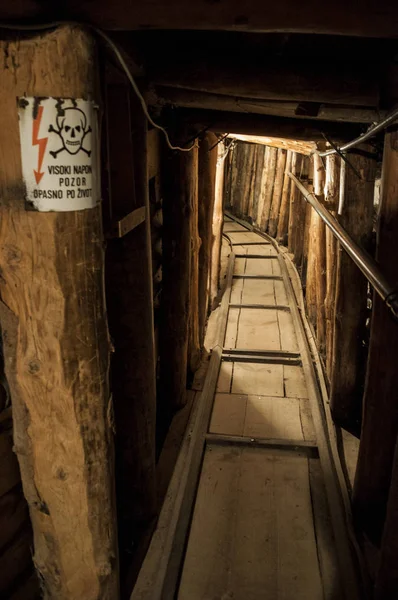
(365, 136)
(361, 258)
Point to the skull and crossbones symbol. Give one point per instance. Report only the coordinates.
(72, 129)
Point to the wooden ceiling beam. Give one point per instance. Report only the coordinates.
(278, 127)
(203, 100)
(374, 19)
(324, 82)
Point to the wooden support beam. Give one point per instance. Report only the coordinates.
(267, 185)
(283, 223)
(55, 337)
(337, 19)
(218, 216)
(380, 411)
(331, 202)
(194, 346)
(179, 180)
(294, 203)
(303, 129)
(130, 312)
(207, 182)
(333, 83)
(277, 193)
(279, 108)
(348, 369)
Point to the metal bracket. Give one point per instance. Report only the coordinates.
(128, 223)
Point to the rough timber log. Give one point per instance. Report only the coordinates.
(339, 18)
(277, 193)
(130, 313)
(217, 224)
(380, 409)
(351, 296)
(333, 83)
(331, 202)
(194, 346)
(282, 127)
(204, 100)
(207, 180)
(294, 202)
(283, 223)
(179, 179)
(268, 180)
(56, 341)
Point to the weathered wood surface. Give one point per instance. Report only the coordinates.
(380, 413)
(294, 203)
(351, 297)
(276, 80)
(283, 127)
(194, 99)
(194, 344)
(283, 223)
(179, 188)
(331, 202)
(217, 225)
(268, 187)
(339, 19)
(277, 193)
(206, 198)
(130, 312)
(56, 342)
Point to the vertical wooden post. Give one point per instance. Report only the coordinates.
(315, 280)
(300, 214)
(283, 223)
(320, 257)
(194, 345)
(250, 203)
(331, 201)
(351, 297)
(294, 203)
(218, 218)
(380, 408)
(55, 337)
(179, 188)
(257, 181)
(307, 223)
(269, 179)
(207, 181)
(277, 193)
(263, 180)
(130, 312)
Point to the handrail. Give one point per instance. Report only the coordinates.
(369, 267)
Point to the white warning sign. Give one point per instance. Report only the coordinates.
(59, 147)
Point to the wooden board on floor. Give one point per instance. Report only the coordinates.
(234, 227)
(258, 379)
(252, 534)
(261, 417)
(258, 329)
(225, 377)
(267, 250)
(287, 331)
(246, 237)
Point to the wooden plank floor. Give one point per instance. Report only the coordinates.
(260, 527)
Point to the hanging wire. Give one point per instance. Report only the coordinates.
(115, 49)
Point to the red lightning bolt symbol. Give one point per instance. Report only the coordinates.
(41, 142)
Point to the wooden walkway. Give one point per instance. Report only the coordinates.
(266, 519)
